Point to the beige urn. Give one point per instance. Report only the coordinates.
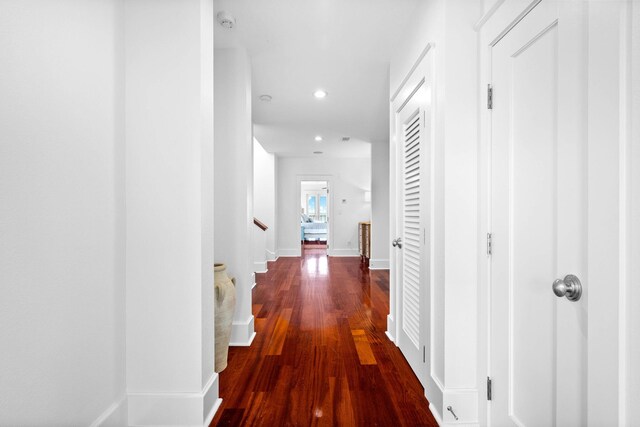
(225, 295)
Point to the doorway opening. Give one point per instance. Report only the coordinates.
(314, 216)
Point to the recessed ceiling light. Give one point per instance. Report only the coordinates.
(317, 152)
(265, 98)
(226, 20)
(318, 138)
(320, 93)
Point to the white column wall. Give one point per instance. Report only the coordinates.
(452, 352)
(264, 205)
(380, 235)
(459, 78)
(234, 182)
(169, 199)
(633, 284)
(62, 229)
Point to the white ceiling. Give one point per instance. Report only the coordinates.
(298, 46)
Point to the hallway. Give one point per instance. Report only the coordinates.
(320, 356)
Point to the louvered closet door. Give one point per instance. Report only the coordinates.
(412, 152)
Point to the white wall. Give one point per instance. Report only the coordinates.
(62, 263)
(169, 200)
(264, 205)
(380, 203)
(452, 324)
(633, 285)
(234, 182)
(349, 178)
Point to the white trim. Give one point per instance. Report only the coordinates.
(393, 340)
(624, 207)
(464, 402)
(435, 414)
(260, 267)
(114, 415)
(212, 412)
(175, 408)
(285, 253)
(488, 14)
(254, 285)
(415, 65)
(345, 253)
(515, 22)
(378, 264)
(298, 193)
(391, 328)
(242, 333)
(271, 256)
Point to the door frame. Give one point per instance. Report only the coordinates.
(421, 73)
(609, 143)
(298, 194)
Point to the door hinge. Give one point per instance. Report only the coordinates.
(490, 97)
(488, 388)
(489, 244)
(424, 354)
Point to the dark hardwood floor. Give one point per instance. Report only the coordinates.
(320, 356)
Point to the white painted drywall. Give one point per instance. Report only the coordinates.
(350, 178)
(380, 201)
(169, 197)
(633, 284)
(233, 150)
(264, 202)
(449, 26)
(62, 262)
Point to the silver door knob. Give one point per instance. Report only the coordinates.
(569, 287)
(397, 243)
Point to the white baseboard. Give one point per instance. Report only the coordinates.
(464, 402)
(391, 327)
(172, 409)
(212, 412)
(378, 264)
(242, 333)
(435, 414)
(289, 252)
(391, 338)
(114, 416)
(271, 256)
(345, 252)
(260, 267)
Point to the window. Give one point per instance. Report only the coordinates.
(322, 209)
(311, 205)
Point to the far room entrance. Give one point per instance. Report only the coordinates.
(314, 215)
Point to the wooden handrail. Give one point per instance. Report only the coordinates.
(260, 224)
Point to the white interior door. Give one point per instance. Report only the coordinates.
(412, 125)
(538, 220)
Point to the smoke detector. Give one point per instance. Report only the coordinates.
(265, 98)
(226, 20)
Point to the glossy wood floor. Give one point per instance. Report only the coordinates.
(320, 356)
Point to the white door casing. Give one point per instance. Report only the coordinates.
(538, 219)
(413, 221)
(298, 194)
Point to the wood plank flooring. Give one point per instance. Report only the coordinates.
(320, 356)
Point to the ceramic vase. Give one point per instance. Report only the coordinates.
(225, 303)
